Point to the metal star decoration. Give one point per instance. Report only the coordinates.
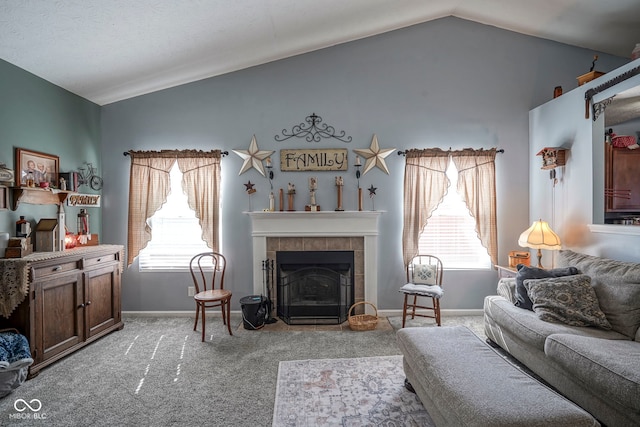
(372, 191)
(253, 157)
(249, 187)
(375, 156)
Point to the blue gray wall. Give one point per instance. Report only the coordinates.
(39, 116)
(576, 202)
(446, 83)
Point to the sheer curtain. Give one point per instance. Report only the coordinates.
(426, 183)
(201, 184)
(477, 187)
(149, 185)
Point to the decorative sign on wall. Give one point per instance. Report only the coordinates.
(330, 159)
(84, 200)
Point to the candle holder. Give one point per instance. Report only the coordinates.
(357, 165)
(269, 168)
(339, 184)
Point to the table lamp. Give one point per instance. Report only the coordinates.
(539, 236)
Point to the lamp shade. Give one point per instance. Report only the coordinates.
(539, 236)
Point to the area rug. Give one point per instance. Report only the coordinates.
(366, 391)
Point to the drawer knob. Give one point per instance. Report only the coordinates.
(81, 306)
(57, 268)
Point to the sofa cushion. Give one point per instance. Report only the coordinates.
(525, 272)
(570, 300)
(528, 328)
(617, 285)
(608, 367)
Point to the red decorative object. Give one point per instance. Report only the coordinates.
(69, 241)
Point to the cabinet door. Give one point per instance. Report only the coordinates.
(625, 176)
(58, 314)
(102, 305)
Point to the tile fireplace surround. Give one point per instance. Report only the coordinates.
(313, 231)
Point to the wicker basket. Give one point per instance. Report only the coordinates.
(363, 322)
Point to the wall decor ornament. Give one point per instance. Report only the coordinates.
(320, 159)
(372, 195)
(313, 131)
(33, 167)
(253, 157)
(374, 156)
(250, 190)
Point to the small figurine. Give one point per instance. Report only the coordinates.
(291, 190)
(339, 184)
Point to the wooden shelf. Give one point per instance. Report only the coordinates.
(37, 196)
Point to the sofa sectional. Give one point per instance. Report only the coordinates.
(581, 334)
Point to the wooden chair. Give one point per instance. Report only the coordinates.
(424, 280)
(207, 272)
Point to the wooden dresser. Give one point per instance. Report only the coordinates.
(72, 298)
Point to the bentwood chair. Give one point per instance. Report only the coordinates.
(207, 272)
(424, 280)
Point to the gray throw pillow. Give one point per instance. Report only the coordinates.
(525, 272)
(617, 285)
(570, 300)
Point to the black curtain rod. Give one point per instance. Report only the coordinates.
(223, 153)
(402, 153)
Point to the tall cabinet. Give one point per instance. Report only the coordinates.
(73, 298)
(622, 193)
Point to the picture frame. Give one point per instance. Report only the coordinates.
(43, 167)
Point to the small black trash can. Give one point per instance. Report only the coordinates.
(254, 311)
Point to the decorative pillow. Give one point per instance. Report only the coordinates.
(525, 272)
(617, 285)
(424, 274)
(570, 300)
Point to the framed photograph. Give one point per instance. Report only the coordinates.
(33, 168)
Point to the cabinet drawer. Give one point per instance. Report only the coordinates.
(99, 260)
(47, 270)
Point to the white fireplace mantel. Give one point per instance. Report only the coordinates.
(321, 224)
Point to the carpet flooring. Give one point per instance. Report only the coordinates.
(157, 372)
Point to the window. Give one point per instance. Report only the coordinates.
(176, 232)
(450, 232)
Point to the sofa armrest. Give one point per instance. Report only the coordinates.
(507, 289)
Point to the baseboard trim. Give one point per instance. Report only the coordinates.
(383, 313)
(444, 313)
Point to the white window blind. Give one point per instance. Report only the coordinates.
(176, 233)
(450, 232)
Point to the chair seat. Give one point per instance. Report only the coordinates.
(434, 291)
(213, 295)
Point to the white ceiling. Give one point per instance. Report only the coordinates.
(109, 50)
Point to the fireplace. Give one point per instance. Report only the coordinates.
(314, 287)
(356, 231)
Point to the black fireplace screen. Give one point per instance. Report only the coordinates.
(314, 286)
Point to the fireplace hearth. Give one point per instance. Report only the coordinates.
(314, 287)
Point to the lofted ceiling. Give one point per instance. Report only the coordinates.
(110, 50)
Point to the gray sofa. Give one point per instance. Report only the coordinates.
(597, 367)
